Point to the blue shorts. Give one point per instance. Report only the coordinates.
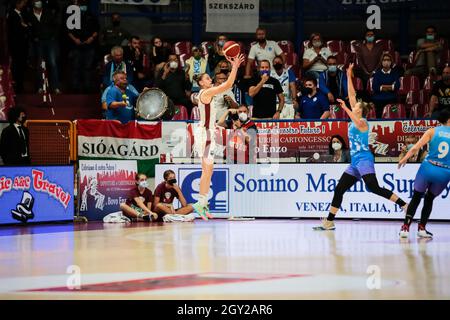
(432, 178)
(361, 168)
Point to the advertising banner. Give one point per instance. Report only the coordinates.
(36, 194)
(243, 15)
(111, 140)
(104, 185)
(300, 190)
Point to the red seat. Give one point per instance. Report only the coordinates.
(369, 88)
(394, 111)
(419, 110)
(336, 112)
(372, 113)
(408, 83)
(418, 97)
(358, 84)
(292, 59)
(183, 58)
(287, 46)
(336, 46)
(205, 45)
(195, 114)
(181, 113)
(388, 45)
(353, 45)
(183, 47)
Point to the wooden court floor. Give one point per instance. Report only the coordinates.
(221, 259)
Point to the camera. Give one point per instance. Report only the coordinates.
(234, 116)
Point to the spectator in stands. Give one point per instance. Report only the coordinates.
(138, 206)
(263, 49)
(104, 105)
(338, 149)
(314, 104)
(368, 56)
(159, 54)
(223, 66)
(117, 63)
(264, 90)
(172, 80)
(215, 53)
(287, 79)
(114, 35)
(134, 55)
(18, 34)
(315, 56)
(440, 95)
(120, 99)
(427, 54)
(385, 85)
(45, 28)
(241, 146)
(224, 101)
(14, 141)
(333, 82)
(195, 66)
(83, 43)
(165, 194)
(410, 141)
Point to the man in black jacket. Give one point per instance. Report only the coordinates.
(14, 141)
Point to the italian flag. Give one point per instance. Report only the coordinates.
(111, 140)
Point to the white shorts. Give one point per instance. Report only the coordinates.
(288, 111)
(205, 142)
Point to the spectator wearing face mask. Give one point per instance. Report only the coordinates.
(427, 54)
(314, 104)
(172, 80)
(263, 49)
(287, 79)
(385, 85)
(114, 34)
(368, 55)
(264, 90)
(14, 140)
(195, 66)
(242, 140)
(410, 141)
(138, 206)
(338, 149)
(215, 52)
(315, 56)
(440, 95)
(165, 193)
(333, 82)
(225, 67)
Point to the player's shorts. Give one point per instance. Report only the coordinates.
(431, 177)
(361, 168)
(205, 143)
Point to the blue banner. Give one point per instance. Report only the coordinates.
(36, 194)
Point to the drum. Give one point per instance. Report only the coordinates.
(154, 104)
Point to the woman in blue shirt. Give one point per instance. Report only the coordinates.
(362, 159)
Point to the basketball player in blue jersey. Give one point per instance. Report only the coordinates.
(204, 134)
(433, 175)
(362, 159)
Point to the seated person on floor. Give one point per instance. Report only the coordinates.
(138, 207)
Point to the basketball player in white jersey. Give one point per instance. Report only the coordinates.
(204, 134)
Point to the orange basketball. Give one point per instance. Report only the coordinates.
(231, 49)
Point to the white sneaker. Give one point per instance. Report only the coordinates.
(404, 231)
(325, 226)
(423, 233)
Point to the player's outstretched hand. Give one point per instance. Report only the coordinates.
(350, 70)
(236, 61)
(402, 162)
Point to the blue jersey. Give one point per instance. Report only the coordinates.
(439, 148)
(359, 144)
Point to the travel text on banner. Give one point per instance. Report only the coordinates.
(243, 15)
(104, 140)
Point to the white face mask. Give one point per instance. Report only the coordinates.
(243, 116)
(38, 4)
(173, 64)
(143, 184)
(336, 146)
(317, 44)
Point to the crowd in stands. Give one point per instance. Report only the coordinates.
(278, 81)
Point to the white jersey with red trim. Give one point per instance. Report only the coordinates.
(207, 113)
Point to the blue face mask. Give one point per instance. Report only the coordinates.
(263, 72)
(370, 39)
(221, 43)
(332, 69)
(83, 8)
(430, 37)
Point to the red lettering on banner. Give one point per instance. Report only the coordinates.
(21, 183)
(53, 190)
(5, 184)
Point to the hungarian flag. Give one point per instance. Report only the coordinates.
(109, 139)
